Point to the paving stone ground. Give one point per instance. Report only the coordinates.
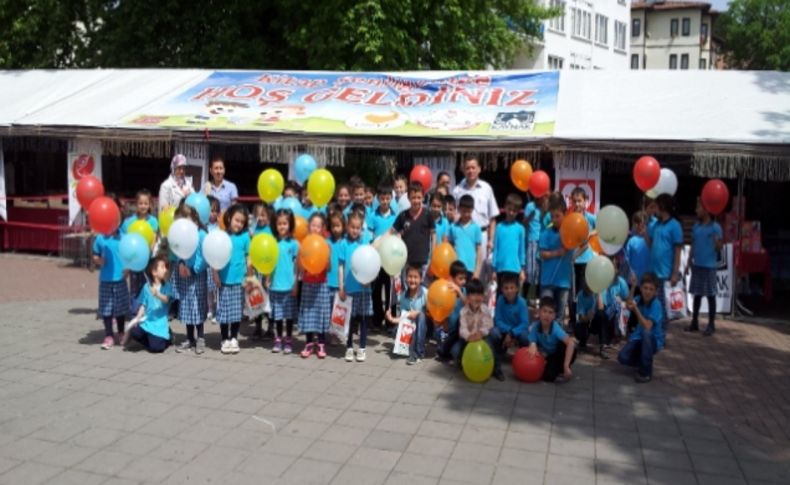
(716, 413)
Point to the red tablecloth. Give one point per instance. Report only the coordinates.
(750, 263)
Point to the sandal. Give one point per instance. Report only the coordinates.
(321, 351)
(308, 350)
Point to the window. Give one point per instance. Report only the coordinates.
(703, 33)
(619, 35)
(636, 27)
(601, 29)
(703, 63)
(673, 28)
(684, 61)
(558, 23)
(582, 23)
(686, 27)
(634, 61)
(673, 61)
(555, 63)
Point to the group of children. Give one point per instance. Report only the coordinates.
(527, 257)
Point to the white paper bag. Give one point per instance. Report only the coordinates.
(675, 300)
(623, 314)
(340, 320)
(255, 299)
(406, 329)
(491, 297)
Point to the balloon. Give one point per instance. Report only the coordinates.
(595, 244)
(393, 254)
(221, 220)
(365, 264)
(300, 228)
(715, 196)
(599, 274)
(270, 185)
(539, 184)
(199, 202)
(304, 165)
(441, 259)
(574, 230)
(528, 368)
(314, 254)
(321, 187)
(217, 248)
(441, 300)
(134, 252)
(144, 229)
(104, 215)
(404, 204)
(423, 175)
(612, 225)
(667, 184)
(264, 253)
(611, 249)
(477, 361)
(182, 238)
(292, 204)
(520, 173)
(646, 173)
(89, 189)
(166, 219)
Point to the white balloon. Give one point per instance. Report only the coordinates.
(612, 226)
(404, 203)
(182, 238)
(365, 264)
(393, 254)
(667, 184)
(599, 273)
(610, 249)
(217, 247)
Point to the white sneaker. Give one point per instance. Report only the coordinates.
(234, 346)
(361, 355)
(350, 355)
(225, 348)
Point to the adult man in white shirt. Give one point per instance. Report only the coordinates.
(486, 208)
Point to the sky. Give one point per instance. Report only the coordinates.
(720, 5)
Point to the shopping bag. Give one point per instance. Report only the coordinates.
(675, 300)
(491, 298)
(340, 321)
(254, 298)
(623, 314)
(406, 329)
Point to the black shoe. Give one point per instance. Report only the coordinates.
(640, 379)
(694, 327)
(498, 375)
(604, 354)
(709, 331)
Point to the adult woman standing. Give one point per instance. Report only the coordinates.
(177, 186)
(224, 190)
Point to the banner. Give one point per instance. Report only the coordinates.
(587, 177)
(725, 279)
(3, 206)
(83, 158)
(514, 105)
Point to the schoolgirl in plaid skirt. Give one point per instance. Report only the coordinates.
(262, 214)
(113, 292)
(137, 278)
(316, 300)
(362, 301)
(211, 287)
(231, 277)
(282, 282)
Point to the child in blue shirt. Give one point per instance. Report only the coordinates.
(466, 237)
(113, 292)
(380, 221)
(150, 326)
(412, 304)
(637, 252)
(648, 337)
(593, 318)
(508, 256)
(580, 200)
(229, 279)
(556, 261)
(446, 332)
(361, 303)
(706, 241)
(511, 317)
(547, 337)
(192, 287)
(137, 278)
(533, 213)
(282, 282)
(262, 214)
(211, 287)
(665, 240)
(440, 223)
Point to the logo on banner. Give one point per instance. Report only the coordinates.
(567, 186)
(82, 165)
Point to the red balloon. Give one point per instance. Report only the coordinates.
(423, 175)
(539, 184)
(715, 196)
(89, 189)
(104, 216)
(528, 368)
(646, 173)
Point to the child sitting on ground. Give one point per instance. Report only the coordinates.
(511, 317)
(476, 324)
(446, 332)
(150, 327)
(648, 337)
(547, 337)
(412, 304)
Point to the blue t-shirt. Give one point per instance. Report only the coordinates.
(703, 244)
(346, 251)
(212, 227)
(637, 253)
(455, 317)
(665, 237)
(554, 271)
(266, 229)
(511, 318)
(334, 262)
(585, 302)
(156, 311)
(654, 312)
(417, 303)
(534, 225)
(107, 248)
(618, 289)
(283, 276)
(379, 223)
(151, 220)
(588, 254)
(509, 247)
(547, 342)
(197, 263)
(465, 240)
(393, 204)
(236, 270)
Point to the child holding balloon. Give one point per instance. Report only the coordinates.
(580, 200)
(131, 224)
(648, 337)
(361, 304)
(282, 282)
(150, 326)
(508, 256)
(191, 281)
(262, 214)
(547, 337)
(316, 300)
(113, 292)
(211, 287)
(706, 242)
(665, 239)
(229, 279)
(412, 306)
(636, 251)
(476, 324)
(380, 221)
(466, 237)
(446, 332)
(556, 265)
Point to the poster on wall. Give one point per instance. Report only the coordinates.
(587, 178)
(725, 279)
(83, 159)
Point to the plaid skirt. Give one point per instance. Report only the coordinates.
(315, 308)
(211, 287)
(193, 307)
(283, 305)
(703, 281)
(113, 299)
(174, 280)
(533, 265)
(136, 283)
(230, 304)
(361, 303)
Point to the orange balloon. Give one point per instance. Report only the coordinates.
(221, 220)
(574, 230)
(595, 244)
(520, 173)
(300, 228)
(443, 256)
(441, 300)
(314, 254)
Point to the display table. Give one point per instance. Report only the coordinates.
(757, 263)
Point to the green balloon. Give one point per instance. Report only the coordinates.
(478, 361)
(599, 274)
(612, 225)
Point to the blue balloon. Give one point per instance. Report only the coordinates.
(292, 204)
(200, 203)
(304, 165)
(134, 252)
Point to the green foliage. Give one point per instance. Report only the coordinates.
(756, 34)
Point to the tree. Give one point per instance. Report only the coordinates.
(756, 34)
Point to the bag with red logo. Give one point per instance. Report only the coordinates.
(406, 329)
(254, 299)
(675, 300)
(340, 320)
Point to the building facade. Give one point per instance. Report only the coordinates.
(672, 35)
(590, 34)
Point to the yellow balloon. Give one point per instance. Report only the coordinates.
(321, 187)
(264, 253)
(270, 185)
(144, 229)
(477, 361)
(165, 219)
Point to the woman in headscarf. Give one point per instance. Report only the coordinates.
(177, 186)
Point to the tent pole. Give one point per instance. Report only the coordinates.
(737, 242)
